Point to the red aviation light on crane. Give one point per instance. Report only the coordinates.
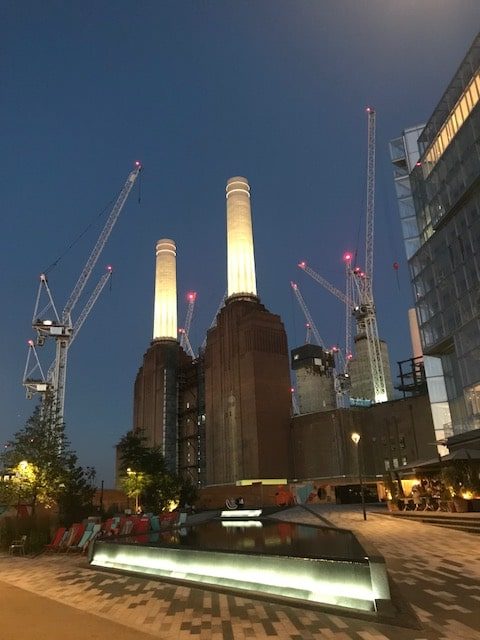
(294, 285)
(370, 110)
(347, 257)
(292, 389)
(109, 267)
(138, 164)
(30, 343)
(191, 296)
(302, 264)
(349, 356)
(181, 330)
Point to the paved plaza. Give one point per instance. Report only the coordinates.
(435, 572)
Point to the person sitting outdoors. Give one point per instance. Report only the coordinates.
(417, 497)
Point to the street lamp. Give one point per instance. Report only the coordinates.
(356, 439)
(137, 493)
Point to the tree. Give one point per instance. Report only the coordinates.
(41, 467)
(144, 474)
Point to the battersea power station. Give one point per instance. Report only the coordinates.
(225, 419)
(225, 416)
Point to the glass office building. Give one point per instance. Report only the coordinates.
(440, 212)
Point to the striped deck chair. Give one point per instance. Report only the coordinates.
(93, 535)
(78, 545)
(76, 532)
(56, 540)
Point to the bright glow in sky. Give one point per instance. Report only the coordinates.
(199, 92)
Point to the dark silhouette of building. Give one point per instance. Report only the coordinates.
(156, 397)
(247, 394)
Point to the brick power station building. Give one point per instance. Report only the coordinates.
(225, 418)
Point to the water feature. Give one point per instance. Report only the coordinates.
(294, 562)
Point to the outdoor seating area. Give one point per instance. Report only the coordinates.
(80, 536)
(18, 546)
(427, 496)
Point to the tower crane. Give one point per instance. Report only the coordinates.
(185, 330)
(340, 386)
(359, 296)
(346, 298)
(60, 327)
(310, 323)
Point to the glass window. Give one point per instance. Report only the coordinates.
(474, 93)
(402, 187)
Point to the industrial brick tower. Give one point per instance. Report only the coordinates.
(247, 378)
(156, 390)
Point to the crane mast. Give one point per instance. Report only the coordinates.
(61, 328)
(358, 298)
(348, 310)
(365, 312)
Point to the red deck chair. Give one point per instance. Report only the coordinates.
(57, 539)
(75, 533)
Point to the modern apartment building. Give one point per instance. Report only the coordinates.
(437, 181)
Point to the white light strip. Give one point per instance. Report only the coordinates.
(242, 513)
(296, 579)
(241, 523)
(230, 191)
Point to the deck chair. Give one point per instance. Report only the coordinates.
(74, 535)
(57, 539)
(18, 546)
(95, 533)
(79, 544)
(127, 527)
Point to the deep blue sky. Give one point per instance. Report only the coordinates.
(200, 91)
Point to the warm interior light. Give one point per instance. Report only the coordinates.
(355, 437)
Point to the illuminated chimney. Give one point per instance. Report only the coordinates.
(240, 258)
(165, 311)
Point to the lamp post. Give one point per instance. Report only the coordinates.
(133, 474)
(356, 440)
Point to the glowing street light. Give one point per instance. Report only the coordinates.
(356, 440)
(133, 474)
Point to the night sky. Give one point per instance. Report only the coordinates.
(199, 91)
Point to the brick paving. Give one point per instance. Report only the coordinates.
(437, 572)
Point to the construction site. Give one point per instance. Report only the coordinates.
(241, 409)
